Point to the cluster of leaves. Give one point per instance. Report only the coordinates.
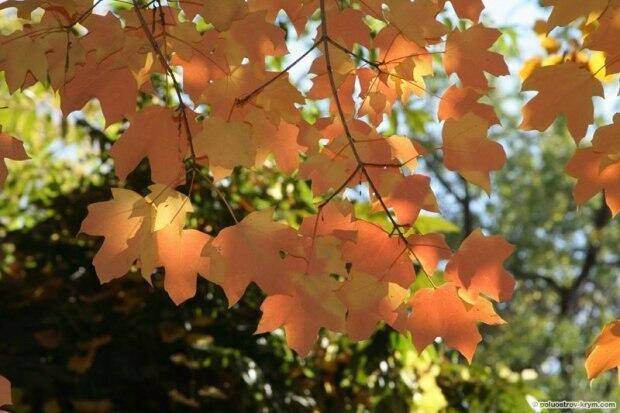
(333, 269)
(76, 346)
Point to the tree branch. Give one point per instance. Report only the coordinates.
(361, 164)
(182, 107)
(571, 295)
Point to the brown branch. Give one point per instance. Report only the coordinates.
(569, 299)
(182, 107)
(551, 282)
(243, 99)
(332, 82)
(468, 223)
(164, 62)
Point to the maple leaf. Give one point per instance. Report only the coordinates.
(565, 89)
(468, 9)
(375, 252)
(264, 39)
(122, 222)
(347, 26)
(24, 62)
(260, 241)
(181, 254)
(566, 11)
(442, 313)
(335, 219)
(115, 89)
(5, 392)
(407, 196)
(457, 102)
(598, 167)
(105, 36)
(416, 20)
(335, 271)
(155, 133)
(205, 63)
(369, 300)
(10, 148)
(606, 36)
(128, 223)
(277, 140)
(312, 304)
(463, 142)
(604, 354)
(467, 54)
(477, 266)
(226, 145)
(429, 249)
(298, 11)
(219, 13)
(406, 151)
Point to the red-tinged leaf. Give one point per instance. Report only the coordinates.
(105, 36)
(260, 241)
(369, 300)
(297, 11)
(155, 133)
(441, 313)
(115, 89)
(310, 305)
(375, 252)
(457, 102)
(429, 249)
(563, 89)
(181, 255)
(593, 176)
(10, 148)
(467, 54)
(477, 266)
(347, 26)
(408, 196)
(604, 354)
(265, 39)
(406, 151)
(598, 168)
(463, 142)
(335, 219)
(277, 140)
(206, 63)
(482, 310)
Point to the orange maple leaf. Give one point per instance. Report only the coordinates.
(10, 148)
(467, 54)
(477, 266)
(604, 354)
(463, 142)
(563, 89)
(442, 313)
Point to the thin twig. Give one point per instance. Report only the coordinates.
(326, 43)
(182, 107)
